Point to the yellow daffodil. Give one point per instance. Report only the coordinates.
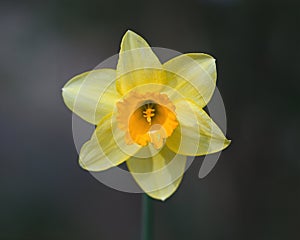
(148, 114)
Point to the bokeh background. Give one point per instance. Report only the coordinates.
(252, 193)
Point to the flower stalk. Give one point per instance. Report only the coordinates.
(147, 217)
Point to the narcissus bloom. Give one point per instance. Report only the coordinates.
(148, 114)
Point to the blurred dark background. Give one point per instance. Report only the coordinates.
(252, 193)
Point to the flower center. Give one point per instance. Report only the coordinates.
(146, 118)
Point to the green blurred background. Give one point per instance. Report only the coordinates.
(252, 193)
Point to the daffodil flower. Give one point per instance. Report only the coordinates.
(148, 114)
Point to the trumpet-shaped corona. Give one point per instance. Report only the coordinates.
(142, 116)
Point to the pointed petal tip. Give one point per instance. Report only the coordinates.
(163, 199)
(129, 31)
(227, 142)
(159, 198)
(132, 40)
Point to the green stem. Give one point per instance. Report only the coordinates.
(147, 218)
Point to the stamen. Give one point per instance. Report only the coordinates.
(149, 112)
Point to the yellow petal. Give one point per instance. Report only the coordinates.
(197, 134)
(92, 95)
(106, 148)
(137, 64)
(193, 75)
(159, 176)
